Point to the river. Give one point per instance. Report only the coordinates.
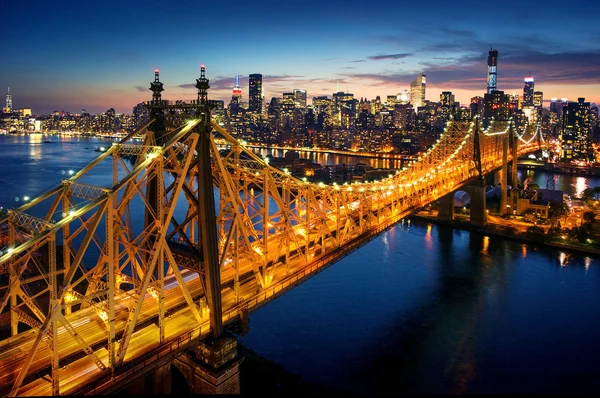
(421, 309)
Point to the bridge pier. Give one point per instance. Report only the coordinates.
(161, 380)
(447, 207)
(212, 367)
(478, 205)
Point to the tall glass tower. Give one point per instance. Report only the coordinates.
(9, 105)
(528, 91)
(492, 66)
(255, 93)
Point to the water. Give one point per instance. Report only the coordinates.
(420, 309)
(428, 309)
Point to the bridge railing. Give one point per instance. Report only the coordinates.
(145, 363)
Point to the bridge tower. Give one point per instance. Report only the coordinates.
(514, 148)
(504, 176)
(207, 221)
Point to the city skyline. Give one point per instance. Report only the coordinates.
(70, 56)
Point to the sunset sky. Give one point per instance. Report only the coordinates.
(69, 55)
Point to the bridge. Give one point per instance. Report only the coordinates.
(150, 253)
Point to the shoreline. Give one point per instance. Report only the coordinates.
(467, 226)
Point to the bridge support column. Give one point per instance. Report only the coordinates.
(161, 380)
(447, 207)
(212, 367)
(513, 167)
(504, 176)
(478, 206)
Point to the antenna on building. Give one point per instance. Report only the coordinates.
(237, 80)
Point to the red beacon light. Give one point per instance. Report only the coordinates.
(202, 66)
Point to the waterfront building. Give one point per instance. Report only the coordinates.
(575, 138)
(492, 70)
(255, 93)
(417, 91)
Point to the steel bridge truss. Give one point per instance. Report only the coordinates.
(93, 269)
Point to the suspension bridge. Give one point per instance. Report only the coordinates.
(153, 249)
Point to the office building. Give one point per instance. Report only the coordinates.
(492, 70)
(417, 91)
(255, 93)
(575, 138)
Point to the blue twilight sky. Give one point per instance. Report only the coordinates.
(69, 55)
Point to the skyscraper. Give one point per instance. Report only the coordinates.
(417, 91)
(8, 108)
(575, 139)
(300, 98)
(492, 65)
(255, 93)
(538, 99)
(528, 91)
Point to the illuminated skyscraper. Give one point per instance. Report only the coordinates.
(255, 93)
(575, 138)
(403, 97)
(492, 72)
(538, 99)
(235, 105)
(417, 91)
(528, 91)
(300, 98)
(8, 108)
(236, 95)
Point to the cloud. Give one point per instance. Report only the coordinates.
(359, 60)
(470, 71)
(348, 67)
(141, 89)
(389, 56)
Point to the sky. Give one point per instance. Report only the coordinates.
(96, 55)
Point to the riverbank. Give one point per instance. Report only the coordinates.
(502, 231)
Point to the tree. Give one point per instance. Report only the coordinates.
(587, 194)
(589, 216)
(557, 210)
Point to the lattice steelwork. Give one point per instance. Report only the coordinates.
(99, 278)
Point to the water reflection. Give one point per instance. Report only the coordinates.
(331, 159)
(580, 186)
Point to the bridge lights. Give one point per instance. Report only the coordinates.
(103, 315)
(69, 297)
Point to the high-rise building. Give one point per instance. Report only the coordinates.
(9, 106)
(417, 91)
(255, 93)
(403, 97)
(300, 98)
(538, 99)
(495, 105)
(528, 91)
(575, 138)
(492, 72)
(236, 94)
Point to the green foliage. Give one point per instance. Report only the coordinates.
(589, 216)
(533, 187)
(534, 229)
(587, 194)
(558, 210)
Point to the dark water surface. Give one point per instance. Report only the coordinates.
(422, 308)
